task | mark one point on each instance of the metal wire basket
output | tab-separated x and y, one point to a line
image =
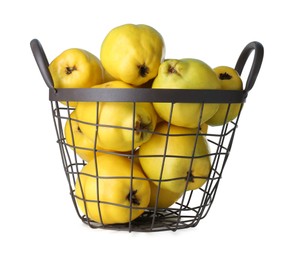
191	205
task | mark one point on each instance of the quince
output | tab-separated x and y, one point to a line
186	74
76	68
230	80
112	190
132	53
169	157
117	126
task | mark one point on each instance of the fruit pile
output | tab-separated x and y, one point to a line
105	135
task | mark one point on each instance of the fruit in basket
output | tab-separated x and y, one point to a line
116	191
76	68
75	137
132	53
165	197
230	80
118	124
173	149
186	74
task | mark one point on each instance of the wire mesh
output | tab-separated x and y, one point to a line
186	211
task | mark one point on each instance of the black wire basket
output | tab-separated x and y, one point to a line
97	203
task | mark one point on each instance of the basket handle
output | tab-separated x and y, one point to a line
256	64
42	62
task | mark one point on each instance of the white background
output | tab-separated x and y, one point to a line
251	217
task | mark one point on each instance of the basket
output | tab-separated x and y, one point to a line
190	205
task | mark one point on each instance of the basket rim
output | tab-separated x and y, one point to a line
147	95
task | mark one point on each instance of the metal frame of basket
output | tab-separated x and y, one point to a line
193	205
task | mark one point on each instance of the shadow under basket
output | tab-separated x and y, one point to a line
191	205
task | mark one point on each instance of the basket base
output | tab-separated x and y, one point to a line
150	221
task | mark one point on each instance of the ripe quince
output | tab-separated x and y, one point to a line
186	74
132	53
117	126
230	80
112	190
170	158
76	68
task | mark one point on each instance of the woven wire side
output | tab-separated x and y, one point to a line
186	212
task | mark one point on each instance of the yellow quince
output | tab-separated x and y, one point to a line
132	53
